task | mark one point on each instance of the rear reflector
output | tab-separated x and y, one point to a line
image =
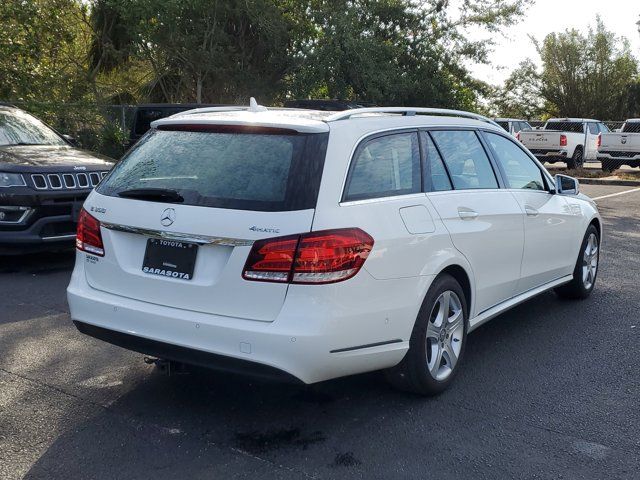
88	236
326	256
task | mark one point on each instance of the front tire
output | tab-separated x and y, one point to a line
437	342
586	269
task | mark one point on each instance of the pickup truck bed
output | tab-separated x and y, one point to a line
620	148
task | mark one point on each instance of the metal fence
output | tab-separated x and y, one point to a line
101	128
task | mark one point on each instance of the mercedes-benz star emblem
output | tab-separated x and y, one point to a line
168	217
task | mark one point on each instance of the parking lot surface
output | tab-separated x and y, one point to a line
549	390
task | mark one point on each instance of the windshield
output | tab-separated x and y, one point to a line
225	168
20	128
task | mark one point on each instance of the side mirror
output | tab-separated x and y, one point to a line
566	185
71	140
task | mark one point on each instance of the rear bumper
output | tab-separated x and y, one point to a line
628	158
167	351
312	341
550	155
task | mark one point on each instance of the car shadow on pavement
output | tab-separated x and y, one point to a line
130	421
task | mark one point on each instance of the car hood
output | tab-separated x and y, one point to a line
30	157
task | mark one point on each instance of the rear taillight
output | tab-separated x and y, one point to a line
318	257
88	236
563	140
599	141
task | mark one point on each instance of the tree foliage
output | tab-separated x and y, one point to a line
587	75
384	51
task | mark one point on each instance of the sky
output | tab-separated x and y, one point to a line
546	16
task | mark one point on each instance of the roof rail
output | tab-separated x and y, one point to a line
408	111
253	107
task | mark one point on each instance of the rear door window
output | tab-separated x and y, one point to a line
593	128
468	164
226	168
385	166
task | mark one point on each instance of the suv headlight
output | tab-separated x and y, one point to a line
11	180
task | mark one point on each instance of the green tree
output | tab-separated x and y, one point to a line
41	50
520	96
397	51
587	75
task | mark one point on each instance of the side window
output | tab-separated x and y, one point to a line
603	128
384	167
520	170
526	126
465	158
436	177
593	128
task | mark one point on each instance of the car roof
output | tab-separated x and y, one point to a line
510	120
577	120
317	121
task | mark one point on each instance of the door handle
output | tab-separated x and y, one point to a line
466	213
530	211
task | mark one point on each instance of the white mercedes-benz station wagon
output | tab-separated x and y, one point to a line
312	245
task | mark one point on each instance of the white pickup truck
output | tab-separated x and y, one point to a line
620	148
569	140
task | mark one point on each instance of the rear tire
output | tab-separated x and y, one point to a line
437	342
577	160
609	166
586	269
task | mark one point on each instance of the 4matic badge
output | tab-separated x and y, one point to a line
264	229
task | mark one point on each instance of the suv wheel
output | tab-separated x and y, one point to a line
577	160
586	269
437	343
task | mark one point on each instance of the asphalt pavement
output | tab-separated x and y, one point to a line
550	390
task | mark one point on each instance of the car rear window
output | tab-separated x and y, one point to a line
574	127
265	170
631	127
504	125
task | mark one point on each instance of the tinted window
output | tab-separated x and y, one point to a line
603	128
226	169
525	126
520	170
575	127
504	125
466	160
437	178
385	166
593	128
631	127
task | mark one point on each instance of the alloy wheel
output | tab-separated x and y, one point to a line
445	332
590	262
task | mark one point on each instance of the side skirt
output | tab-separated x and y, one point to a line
487	315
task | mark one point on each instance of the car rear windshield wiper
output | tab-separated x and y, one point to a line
153	194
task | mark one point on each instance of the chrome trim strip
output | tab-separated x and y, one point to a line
59	237
27	213
185	237
365	201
